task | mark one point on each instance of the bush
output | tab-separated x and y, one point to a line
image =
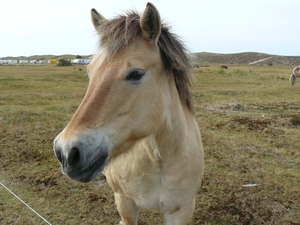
64	62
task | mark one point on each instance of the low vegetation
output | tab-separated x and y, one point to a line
249	117
64	62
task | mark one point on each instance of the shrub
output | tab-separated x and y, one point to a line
64	62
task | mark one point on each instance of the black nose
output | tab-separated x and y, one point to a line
82	159
73	158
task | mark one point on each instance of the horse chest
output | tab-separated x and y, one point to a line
152	191
151	184
145	191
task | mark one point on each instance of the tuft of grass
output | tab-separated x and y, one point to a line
248	116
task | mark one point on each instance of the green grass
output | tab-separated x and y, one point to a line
256	143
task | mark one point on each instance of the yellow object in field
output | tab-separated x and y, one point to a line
52	61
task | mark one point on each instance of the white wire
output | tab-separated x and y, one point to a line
25	203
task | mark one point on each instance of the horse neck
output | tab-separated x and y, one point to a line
172	136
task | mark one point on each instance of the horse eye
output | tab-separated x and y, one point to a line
135	75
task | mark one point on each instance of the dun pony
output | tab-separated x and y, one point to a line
136	122
294	75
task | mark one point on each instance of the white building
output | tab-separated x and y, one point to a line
80	61
12	61
33	61
23	61
42	62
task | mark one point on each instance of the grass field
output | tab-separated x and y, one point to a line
249	117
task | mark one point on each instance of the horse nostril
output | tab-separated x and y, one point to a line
73	157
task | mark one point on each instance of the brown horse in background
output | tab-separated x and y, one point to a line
136	122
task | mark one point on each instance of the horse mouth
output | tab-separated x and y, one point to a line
88	173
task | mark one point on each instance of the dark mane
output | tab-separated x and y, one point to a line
121	31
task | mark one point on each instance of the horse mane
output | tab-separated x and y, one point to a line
119	32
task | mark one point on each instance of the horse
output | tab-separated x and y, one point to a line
136	122
294	75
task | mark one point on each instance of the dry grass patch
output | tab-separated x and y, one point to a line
250	122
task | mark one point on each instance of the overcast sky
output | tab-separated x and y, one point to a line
37	27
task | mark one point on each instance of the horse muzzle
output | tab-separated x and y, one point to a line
83	157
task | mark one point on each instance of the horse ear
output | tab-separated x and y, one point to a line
150	23
97	18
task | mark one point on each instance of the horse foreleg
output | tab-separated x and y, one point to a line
182	216
292	79
127	208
